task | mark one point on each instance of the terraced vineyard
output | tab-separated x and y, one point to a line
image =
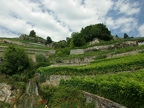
102	66
119	79
125	88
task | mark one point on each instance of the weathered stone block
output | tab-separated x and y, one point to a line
77	51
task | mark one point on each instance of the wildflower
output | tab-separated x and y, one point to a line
43	101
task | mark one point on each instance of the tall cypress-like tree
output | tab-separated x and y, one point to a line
125	35
49	40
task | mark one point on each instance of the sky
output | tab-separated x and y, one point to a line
59	18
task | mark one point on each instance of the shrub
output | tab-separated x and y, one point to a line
15	61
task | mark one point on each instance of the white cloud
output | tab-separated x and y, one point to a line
56	18
125	24
5	33
141	30
75	15
124	17
127	7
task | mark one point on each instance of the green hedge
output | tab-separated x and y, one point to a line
103	66
125	88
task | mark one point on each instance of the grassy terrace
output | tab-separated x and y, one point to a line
27	44
102	54
99	54
102	66
41	46
32	48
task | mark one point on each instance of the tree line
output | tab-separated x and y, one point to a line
86	35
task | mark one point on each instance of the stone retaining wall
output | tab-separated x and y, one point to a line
55	79
6	94
75	61
101	102
77	51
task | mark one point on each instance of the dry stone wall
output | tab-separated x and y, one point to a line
77	51
12	42
101	102
32	57
55	79
6	94
1	40
75	62
124	54
140	43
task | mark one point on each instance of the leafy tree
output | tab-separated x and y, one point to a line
126	36
88	34
42	61
96	31
68	40
78	39
15	61
32	33
49	40
61	44
63	51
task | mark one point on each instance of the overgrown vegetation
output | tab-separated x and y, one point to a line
42	61
15	61
17	67
64	97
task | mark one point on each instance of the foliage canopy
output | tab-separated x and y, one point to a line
32	33
15	61
90	32
49	40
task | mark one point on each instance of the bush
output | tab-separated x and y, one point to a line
40	58
47	91
20	85
15	61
